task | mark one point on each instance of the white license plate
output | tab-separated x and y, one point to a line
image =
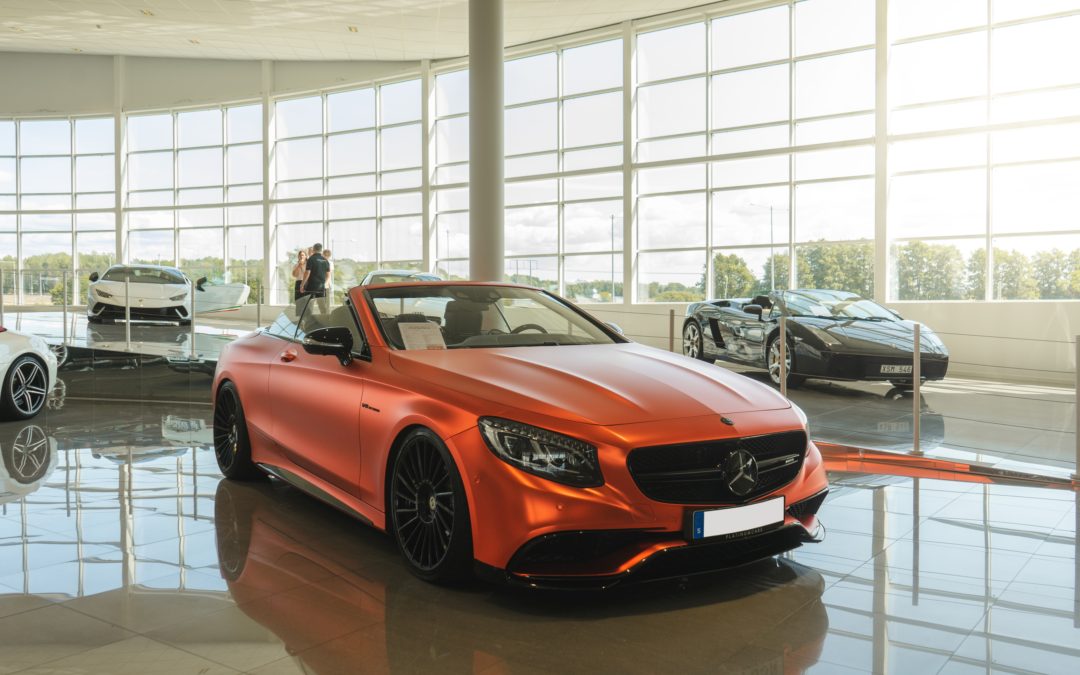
737	520
900	370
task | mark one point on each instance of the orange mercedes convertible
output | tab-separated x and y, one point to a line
500	430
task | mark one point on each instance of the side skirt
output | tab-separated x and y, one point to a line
315	491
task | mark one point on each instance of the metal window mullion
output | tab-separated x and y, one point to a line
226	253
629	93
325	180
988	273
707	286
378	179
72	267
560	164
18	217
428	228
792	267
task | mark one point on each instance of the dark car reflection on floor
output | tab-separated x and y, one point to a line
306	572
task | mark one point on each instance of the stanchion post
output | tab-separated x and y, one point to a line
258	305
671	330
127	313
783	356
1	296
916	396
1076	412
192	317
64	283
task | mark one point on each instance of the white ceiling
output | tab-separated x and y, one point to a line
292	29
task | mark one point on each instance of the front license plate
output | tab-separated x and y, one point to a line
896	370
737	521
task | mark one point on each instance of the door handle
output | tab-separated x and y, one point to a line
287	355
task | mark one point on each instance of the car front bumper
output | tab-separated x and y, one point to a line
141	312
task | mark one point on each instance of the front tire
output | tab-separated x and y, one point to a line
26	388
232	446
693	344
429	513
772	363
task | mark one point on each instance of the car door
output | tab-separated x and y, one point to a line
316	401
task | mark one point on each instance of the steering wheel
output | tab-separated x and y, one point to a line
528	326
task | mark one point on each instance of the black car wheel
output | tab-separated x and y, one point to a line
772	362
232	447
693	343
26	388
428	510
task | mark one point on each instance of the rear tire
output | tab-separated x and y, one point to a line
693	344
428	511
232	446
772	363
25	388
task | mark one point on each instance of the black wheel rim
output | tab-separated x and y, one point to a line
29	387
423	502
226	428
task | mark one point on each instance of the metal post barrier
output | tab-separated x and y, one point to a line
671	331
1076	411
127	314
64	283
1	296
192	318
258	306
783	356
916	386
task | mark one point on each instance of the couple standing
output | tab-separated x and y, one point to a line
313	275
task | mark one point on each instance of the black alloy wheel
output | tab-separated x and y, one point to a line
429	511
26	388
231	444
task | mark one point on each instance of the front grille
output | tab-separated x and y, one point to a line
692	473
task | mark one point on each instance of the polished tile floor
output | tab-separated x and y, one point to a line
122	550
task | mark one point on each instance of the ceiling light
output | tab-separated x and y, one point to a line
146	12
193	41
76	50
352	29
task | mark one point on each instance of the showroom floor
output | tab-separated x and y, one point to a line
122	548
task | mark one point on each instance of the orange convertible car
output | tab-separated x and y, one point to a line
500	429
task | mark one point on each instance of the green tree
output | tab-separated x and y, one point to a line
844	267
1014	276
930	271
1052	271
731	276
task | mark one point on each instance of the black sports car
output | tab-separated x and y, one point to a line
832	335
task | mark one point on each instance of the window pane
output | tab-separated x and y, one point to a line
1033	55
1005	10
938	153
839	129
7	137
149	132
245	256
750	139
532	192
532	229
836	211
244	123
200	217
750	97
351	153
401	147
592	67
673	108
452	200
541	272
924	17
452	93
199	167
452	235
1037	197
671	221
202	127
593	278
825	25
672	148
592	186
153	247
402	238
44	137
946	203
91	135
399	102
398	205
351	209
939	270
754	216
298	117
671	178
156	198
452	140
834	84
202	253
592	158
94	174
745	272
531	129
857	161
299	159
733	172
245	164
671	277
847	266
750	37
1058	141
530	79
352	240
593	226
45	174
48	222
527	166
592	120
671	52
1030	268
351	110
934	70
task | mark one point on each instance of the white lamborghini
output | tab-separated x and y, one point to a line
158	293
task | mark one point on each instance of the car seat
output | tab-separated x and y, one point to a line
463	319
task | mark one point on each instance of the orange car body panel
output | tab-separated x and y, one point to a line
334	425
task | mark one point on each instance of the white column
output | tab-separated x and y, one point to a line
427	115
119	159
881	147
486	140
267	85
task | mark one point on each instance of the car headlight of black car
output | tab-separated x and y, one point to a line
542	453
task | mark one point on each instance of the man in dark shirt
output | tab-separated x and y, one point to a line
315	276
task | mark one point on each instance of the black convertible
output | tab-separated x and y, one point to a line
832	335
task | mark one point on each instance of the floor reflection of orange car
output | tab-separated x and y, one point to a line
500	429
337	606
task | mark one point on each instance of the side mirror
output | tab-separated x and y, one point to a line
94	277
753	309
615	327
199	283
330	341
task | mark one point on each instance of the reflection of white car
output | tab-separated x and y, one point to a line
27	457
396	277
158	293
28	371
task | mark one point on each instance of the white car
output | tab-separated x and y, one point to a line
27	457
158	293
28	368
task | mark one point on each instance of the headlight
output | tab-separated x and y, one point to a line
102	294
542	453
178	298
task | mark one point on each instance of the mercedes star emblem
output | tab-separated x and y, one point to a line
728	421
741	473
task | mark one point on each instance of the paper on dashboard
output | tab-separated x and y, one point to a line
424	335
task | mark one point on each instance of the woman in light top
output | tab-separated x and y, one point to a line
298	274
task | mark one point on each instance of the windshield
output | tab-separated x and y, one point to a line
454	317
834	305
144	275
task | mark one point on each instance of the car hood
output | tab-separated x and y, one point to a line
592	384
877	335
